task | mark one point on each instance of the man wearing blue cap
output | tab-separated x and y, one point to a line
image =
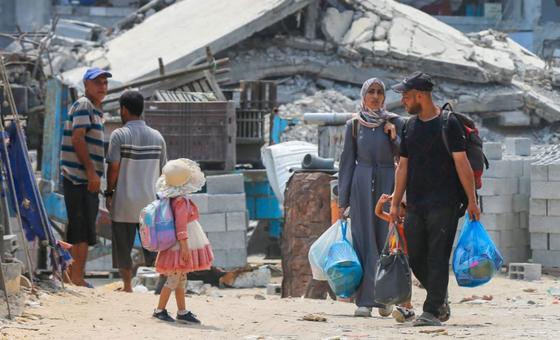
439	186
81	164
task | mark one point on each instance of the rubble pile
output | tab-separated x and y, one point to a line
321	101
309	46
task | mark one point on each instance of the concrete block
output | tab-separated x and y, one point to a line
496	204
230	258
236	258
12	273
213	222
227	240
554	242
539	241
220	258
539	173
274	289
520	237
236	221
505	168
500	221
548	258
545	190
544	224
525	271
515	254
524	220
148	277
537	207
225	184
554	172
527	163
201	201
553	207
514	119
499	186
518	146
495	236
226	203
525	185
521	203
510	238
493	150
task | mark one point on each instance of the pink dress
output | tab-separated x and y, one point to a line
186	216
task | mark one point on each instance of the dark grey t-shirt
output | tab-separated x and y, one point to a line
141	152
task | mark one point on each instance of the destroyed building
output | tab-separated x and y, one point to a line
318	53
338	46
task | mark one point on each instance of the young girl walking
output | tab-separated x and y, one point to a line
192	251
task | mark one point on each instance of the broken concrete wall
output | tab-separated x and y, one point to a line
180	33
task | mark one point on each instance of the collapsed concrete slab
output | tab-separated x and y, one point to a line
335	24
507	99
180	33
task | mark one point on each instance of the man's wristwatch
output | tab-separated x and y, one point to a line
108	193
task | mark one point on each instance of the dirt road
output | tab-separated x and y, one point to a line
518	310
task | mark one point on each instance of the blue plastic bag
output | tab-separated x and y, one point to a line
476	259
343	268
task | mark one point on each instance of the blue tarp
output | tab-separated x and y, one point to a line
34	218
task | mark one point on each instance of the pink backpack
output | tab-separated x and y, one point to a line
157	226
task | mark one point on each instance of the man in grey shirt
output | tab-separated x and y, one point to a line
136	156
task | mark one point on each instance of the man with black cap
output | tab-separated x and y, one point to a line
81	164
437	186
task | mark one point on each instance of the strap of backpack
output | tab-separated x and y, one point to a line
445	114
355	129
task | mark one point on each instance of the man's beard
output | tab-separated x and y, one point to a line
415	109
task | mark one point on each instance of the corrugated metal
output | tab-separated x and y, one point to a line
278	159
182	97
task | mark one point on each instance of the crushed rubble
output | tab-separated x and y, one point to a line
321	101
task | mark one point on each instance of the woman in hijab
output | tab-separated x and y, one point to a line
367	170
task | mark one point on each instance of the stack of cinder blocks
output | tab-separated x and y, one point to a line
223	216
545	212
505	197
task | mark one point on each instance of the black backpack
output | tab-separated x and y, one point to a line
474	143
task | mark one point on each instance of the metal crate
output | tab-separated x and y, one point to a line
201	131
257	99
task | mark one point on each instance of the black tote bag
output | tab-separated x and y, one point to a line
393	280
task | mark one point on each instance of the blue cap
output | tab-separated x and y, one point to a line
95	72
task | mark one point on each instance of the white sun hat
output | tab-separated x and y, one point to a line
180	177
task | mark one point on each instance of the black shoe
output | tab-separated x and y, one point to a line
188	318
163	316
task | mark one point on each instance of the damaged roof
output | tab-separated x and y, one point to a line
180	33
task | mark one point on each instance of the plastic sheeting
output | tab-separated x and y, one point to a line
278	159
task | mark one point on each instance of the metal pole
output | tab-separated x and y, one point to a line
7	86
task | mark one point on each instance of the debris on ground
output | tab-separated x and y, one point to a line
314	317
439	331
477	298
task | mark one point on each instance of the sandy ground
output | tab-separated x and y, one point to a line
518	310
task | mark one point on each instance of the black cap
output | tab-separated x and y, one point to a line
416	81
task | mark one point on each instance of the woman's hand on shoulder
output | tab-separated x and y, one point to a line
391	130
